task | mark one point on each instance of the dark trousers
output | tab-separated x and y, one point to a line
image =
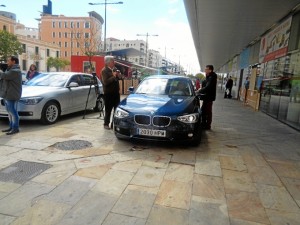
229	93
206	113
111	101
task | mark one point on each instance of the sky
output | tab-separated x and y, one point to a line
165	18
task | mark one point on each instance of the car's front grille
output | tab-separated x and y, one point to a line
159	121
142	119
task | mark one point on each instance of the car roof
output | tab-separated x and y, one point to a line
169	76
67	73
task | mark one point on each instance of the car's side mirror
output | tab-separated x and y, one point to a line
131	90
73	84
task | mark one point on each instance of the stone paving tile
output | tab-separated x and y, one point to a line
7	150
234	221
157	160
136	201
237	181
287	169
92	209
43	212
94	172
207	155
6	161
54	157
277	198
293	187
161	215
53	178
206	211
179	172
6	220
233	163
34	145
246	206
208	167
264	175
184	157
117	219
129	166
15	203
128	155
94	151
6	187
94	161
114	182
174	194
29	155
253	158
208	187
280	218
148	177
71	190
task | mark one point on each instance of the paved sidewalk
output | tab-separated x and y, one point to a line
245	172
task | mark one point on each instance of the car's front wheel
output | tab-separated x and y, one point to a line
50	113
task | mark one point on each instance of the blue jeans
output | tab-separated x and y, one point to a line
13	116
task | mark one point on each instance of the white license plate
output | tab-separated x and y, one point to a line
153	133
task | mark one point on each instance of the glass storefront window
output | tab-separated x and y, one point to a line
280	91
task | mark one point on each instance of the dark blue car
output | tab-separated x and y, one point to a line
163	108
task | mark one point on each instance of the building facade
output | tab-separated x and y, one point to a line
74	35
272	64
35	51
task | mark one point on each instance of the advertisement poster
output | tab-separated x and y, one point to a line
275	44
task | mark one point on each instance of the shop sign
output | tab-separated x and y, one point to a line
275	43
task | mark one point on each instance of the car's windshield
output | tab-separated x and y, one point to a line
45	79
164	86
152	86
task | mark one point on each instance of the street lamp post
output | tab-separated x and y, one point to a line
105	3
147	35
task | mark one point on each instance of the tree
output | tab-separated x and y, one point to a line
9	45
57	63
89	43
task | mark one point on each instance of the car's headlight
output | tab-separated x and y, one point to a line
120	113
190	118
31	100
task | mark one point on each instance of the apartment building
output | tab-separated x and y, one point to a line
74	35
35	51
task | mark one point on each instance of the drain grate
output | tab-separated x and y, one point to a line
22	171
73	145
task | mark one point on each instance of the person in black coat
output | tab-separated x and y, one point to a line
228	88
209	90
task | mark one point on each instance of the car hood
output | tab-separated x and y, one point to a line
29	91
159	104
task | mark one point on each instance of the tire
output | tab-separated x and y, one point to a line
50	113
99	104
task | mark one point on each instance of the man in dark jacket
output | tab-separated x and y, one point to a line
11	91
210	95
111	88
228	88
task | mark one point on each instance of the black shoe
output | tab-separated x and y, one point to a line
14	131
7	130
